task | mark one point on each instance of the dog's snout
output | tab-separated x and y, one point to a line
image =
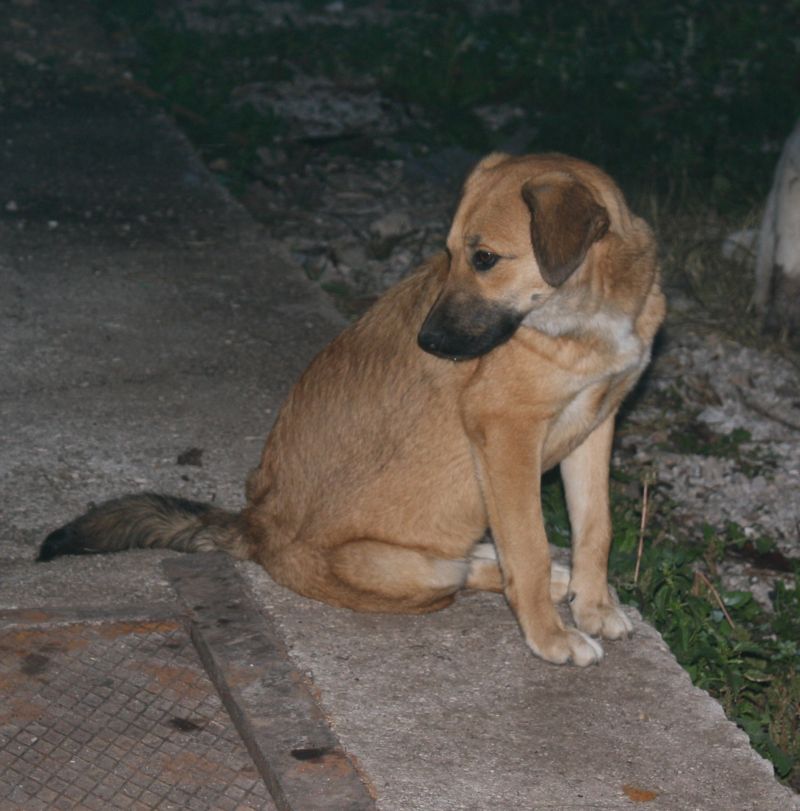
465	329
432	341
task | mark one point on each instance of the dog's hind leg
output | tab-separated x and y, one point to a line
485	575
386	577
484	572
368	575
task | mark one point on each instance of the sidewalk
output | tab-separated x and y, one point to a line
149	333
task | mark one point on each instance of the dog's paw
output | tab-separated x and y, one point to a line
569	645
606	619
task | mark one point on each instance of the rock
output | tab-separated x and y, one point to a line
317	108
348	252
498	116
270	156
391	225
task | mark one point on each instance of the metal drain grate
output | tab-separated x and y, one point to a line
116	715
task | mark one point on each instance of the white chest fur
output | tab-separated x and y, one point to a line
610	330
611	358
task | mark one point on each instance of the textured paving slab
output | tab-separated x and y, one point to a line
116	715
135	707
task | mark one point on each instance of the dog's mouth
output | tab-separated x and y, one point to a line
433	346
464	329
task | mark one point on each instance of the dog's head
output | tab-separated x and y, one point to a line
524	226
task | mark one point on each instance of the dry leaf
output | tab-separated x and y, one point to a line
639	795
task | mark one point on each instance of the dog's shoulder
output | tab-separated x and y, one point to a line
407	302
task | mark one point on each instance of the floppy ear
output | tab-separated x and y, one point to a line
565	222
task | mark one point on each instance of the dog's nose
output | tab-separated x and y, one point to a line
446	333
443	345
436	344
430	341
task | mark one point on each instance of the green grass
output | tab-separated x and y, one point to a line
686	103
747	658
688	435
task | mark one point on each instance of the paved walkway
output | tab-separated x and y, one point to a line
149	332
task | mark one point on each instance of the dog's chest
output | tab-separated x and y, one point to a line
592	402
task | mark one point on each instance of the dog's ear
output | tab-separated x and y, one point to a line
565	221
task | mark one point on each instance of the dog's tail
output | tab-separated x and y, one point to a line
149	521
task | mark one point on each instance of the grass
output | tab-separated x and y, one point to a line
725	641
745	657
686	103
689	435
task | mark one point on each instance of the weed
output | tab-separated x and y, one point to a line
748	659
691	436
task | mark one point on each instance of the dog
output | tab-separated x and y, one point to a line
434	416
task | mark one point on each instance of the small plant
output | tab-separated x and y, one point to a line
691	436
746	658
725	641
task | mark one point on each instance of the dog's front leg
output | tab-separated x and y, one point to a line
585	474
509	457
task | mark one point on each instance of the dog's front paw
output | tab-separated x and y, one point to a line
569	645
601	618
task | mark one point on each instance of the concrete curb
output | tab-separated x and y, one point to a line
273	709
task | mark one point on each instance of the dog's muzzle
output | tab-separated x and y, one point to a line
461	328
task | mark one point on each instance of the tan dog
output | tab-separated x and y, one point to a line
387	463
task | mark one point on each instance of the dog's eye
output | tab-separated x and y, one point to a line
484	260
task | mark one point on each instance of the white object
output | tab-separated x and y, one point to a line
777	290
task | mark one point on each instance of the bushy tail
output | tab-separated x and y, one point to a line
148	521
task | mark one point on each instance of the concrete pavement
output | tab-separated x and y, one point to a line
143	315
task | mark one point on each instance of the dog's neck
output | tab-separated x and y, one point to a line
565	315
